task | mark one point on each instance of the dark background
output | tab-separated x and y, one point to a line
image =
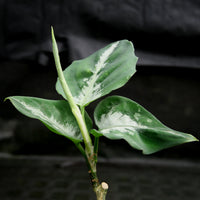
166	37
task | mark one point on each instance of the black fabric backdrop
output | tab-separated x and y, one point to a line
166	36
164	32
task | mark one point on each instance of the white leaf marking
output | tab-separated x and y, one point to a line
92	90
137	116
69	129
149	120
110	119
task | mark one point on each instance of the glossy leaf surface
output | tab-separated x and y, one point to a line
55	114
100	73
121	118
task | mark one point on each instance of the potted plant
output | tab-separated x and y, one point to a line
116	117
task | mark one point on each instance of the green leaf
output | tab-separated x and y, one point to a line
55	114
100	73
121	118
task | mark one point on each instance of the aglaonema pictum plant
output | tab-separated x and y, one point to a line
116	117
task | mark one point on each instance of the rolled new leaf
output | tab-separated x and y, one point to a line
121	118
55	114
100	73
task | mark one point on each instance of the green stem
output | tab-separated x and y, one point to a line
99	189
88	153
75	109
83	111
81	149
96	147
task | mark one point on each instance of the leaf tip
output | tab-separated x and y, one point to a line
52	29
7	98
52	33
193	139
190	138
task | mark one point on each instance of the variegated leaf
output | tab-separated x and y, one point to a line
121	118
99	74
55	114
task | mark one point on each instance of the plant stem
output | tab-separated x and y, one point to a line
96	147
89	154
81	149
99	189
102	191
75	109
